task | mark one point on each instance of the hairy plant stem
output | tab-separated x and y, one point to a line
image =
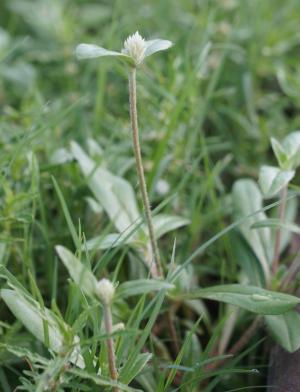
155	264
110	343
282	206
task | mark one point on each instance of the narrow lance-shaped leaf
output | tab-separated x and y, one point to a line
98	380
22	352
32	316
115	194
162	225
165	223
138	365
141	286
156	45
247	199
277	223
78	271
89	51
137	346
111	240
252	298
279	153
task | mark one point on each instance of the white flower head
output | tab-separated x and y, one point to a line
135	50
135	46
105	291
162	187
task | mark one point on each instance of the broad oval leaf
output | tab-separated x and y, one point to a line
272	180
252	298
285	329
78	271
34	318
142	286
156	45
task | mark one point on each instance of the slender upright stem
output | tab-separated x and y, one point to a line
282	206
155	266
110	343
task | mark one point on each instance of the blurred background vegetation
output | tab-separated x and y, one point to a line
208	108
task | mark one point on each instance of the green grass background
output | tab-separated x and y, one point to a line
207	109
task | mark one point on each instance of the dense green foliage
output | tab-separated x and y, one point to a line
208	108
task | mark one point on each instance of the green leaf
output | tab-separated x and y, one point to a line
141	286
277	223
290	216
67	214
118	199
152	312
279	152
180	355
285	329
162	225
288	152
247	199
291	146
78	271
156	45
61	156
108	241
247	260
90	51
29	312
22	352
165	223
95	207
252	298
137	366
98	380
272	180
115	194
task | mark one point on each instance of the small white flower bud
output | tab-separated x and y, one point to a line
105	291
118	327
162	187
135	47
